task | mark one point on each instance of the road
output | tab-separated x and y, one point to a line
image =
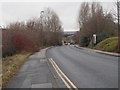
86	69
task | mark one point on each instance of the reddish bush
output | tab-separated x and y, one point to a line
22	42
7	48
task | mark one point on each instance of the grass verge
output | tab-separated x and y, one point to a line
109	44
11	64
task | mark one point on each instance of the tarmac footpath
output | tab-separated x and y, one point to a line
35	73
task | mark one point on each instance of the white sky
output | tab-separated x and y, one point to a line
67	11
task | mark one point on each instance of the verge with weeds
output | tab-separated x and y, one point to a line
11	64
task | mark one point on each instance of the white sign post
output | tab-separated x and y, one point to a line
94	39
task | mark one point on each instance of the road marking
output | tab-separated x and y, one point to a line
61	74
64	75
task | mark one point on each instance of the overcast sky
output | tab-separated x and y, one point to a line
21	11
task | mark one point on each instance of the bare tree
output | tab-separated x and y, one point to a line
52	26
84	13
93	20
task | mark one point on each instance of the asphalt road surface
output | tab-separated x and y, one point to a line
86	69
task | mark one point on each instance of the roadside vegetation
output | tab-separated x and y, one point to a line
21	39
11	64
93	19
109	44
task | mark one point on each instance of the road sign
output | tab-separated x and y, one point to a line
94	39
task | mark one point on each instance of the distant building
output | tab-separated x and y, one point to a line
68	37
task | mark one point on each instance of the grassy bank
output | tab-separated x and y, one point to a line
11	64
109	44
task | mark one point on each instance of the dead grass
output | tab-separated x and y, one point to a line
10	65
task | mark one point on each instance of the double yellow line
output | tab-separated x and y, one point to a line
64	78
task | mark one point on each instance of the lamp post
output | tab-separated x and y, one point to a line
41	18
42	26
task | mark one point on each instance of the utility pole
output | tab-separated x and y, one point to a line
118	15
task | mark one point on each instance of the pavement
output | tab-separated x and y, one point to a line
86	68
34	73
99	51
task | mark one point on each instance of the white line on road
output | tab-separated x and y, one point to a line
59	74
62	74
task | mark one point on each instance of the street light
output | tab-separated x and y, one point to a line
41	14
42	25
